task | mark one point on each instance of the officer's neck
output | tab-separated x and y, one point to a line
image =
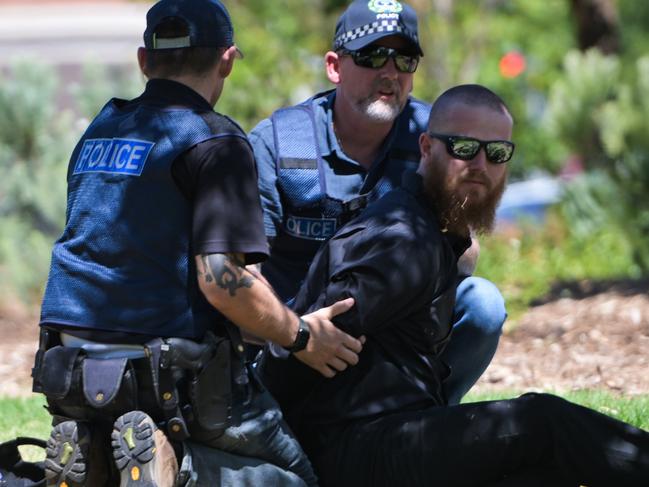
359	138
209	87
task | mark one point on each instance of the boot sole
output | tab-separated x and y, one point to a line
66	462
134	449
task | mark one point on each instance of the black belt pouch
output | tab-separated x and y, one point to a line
56	372
71	382
110	385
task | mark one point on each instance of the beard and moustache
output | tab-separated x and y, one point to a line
378	110
460	214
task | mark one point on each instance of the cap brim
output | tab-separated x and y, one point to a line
365	41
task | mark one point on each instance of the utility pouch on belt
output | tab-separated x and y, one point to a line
55	374
45	342
70	379
191	382
102	380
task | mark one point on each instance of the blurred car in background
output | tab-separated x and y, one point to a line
528	200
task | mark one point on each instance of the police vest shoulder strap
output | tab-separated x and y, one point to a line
296	140
223	126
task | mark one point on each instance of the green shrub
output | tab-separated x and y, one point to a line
601	114
525	263
36	139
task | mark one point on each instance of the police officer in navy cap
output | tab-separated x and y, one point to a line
320	162
148	287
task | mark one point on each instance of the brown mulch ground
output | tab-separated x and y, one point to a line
583	335
18	343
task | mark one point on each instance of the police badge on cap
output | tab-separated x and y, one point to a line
365	22
385	6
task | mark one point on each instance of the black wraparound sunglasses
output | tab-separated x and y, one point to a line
376	57
466	148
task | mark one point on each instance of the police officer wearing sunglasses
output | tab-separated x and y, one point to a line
320	163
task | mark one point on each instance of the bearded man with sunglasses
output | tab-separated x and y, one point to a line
320	162
384	422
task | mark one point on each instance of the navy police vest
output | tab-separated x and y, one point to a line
311	213
124	261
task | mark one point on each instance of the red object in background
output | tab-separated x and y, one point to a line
512	64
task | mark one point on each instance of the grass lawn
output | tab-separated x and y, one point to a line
634	410
27	417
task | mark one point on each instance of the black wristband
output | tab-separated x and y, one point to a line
302	338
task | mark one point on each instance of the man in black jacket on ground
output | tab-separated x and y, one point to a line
385	421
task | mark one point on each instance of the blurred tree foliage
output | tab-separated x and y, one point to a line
36	138
603	118
283	42
34	141
564	103
526	262
597	25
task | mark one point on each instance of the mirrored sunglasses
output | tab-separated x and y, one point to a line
466	148
376	57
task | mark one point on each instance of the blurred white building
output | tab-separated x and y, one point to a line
69	34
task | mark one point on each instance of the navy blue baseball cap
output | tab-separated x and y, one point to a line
367	21
208	23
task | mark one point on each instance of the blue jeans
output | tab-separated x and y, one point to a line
478	320
203	466
259	451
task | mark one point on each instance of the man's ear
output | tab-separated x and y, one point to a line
141	60
425	145
227	61
332	66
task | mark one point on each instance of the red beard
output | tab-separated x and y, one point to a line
461	213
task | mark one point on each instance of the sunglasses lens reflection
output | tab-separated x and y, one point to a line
499	152
377	58
465	148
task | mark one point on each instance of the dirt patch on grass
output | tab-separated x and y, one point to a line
18	344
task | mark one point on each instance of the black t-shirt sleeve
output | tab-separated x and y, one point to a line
219	177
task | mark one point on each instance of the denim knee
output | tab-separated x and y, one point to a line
480	305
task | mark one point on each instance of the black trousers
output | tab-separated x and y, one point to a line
535	440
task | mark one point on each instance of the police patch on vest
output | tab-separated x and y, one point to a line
310	228
116	156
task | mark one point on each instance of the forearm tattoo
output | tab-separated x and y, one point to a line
227	271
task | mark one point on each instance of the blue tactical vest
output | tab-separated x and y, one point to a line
124	261
311	213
